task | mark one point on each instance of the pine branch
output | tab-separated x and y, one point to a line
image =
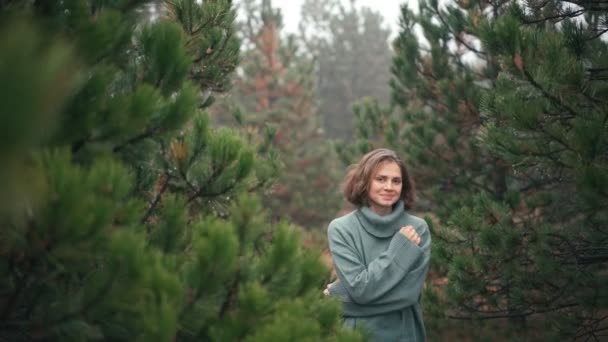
424	73
553	98
512	315
190	304
539	6
184	177
156	200
598	74
560	17
135	139
219	51
583	256
201	190
536	186
457	36
101	295
587	256
594	329
231	295
597	35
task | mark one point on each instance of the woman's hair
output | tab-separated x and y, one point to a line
357	181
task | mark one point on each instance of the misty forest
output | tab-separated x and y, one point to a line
169	168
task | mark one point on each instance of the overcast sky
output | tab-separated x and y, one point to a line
388	8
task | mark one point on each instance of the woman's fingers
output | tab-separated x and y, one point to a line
410	233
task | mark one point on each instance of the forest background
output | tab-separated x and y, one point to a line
169	168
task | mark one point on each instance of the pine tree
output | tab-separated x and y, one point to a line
352	52
500	115
125	216
275	94
547	118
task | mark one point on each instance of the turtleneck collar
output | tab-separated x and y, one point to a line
381	226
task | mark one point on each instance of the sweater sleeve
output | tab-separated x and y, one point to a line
397	275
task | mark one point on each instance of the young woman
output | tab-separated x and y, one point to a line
380	252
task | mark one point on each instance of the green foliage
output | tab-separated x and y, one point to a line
31	65
211	42
165	64
22	47
273	103
125	216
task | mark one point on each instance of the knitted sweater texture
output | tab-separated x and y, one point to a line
380	271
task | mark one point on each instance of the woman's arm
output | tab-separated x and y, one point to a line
396	275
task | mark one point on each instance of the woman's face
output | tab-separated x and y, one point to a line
385	187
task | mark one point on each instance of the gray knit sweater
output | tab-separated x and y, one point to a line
380	271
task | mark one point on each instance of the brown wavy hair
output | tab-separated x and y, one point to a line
357	181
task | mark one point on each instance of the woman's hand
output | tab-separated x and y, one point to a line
410	233
326	291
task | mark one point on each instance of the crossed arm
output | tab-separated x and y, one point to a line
397	275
